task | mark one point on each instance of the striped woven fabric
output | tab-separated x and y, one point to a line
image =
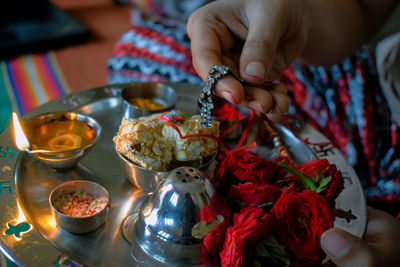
28	81
25	83
157	51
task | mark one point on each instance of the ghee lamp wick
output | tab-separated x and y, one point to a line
20	139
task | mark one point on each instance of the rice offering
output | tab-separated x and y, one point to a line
154	142
79	204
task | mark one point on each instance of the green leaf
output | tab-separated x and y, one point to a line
261	251
324	182
281	258
269	241
319	177
308	183
325	260
266	205
256	263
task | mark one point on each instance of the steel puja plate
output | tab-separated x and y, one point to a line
29	235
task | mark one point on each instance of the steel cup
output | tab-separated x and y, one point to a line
148	180
140	177
158	92
79	225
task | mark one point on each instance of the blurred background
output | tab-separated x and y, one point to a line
51	48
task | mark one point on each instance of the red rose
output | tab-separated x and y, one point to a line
302	217
252	194
214	240
248	226
250	166
217	206
335	185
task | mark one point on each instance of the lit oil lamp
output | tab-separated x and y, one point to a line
20	139
58	139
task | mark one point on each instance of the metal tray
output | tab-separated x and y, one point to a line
28	233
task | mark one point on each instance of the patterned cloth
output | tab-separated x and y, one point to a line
25	83
344	102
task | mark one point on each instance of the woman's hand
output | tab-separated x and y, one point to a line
380	246
259	38
256	38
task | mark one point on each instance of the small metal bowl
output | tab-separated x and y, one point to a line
79	225
158	92
140	177
171	224
66	158
148	180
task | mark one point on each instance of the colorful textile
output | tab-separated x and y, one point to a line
155	51
25	83
28	81
344	102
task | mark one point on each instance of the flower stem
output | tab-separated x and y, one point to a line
307	182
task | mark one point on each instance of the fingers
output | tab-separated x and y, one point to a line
205	44
259	99
279	94
379	247
347	250
210	29
270	99
261	44
209	37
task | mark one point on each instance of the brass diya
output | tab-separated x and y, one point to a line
59	140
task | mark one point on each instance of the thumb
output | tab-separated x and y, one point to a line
260	47
347	250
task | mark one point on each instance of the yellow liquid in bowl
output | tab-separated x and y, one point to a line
62	135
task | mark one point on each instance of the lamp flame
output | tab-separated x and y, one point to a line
20	139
